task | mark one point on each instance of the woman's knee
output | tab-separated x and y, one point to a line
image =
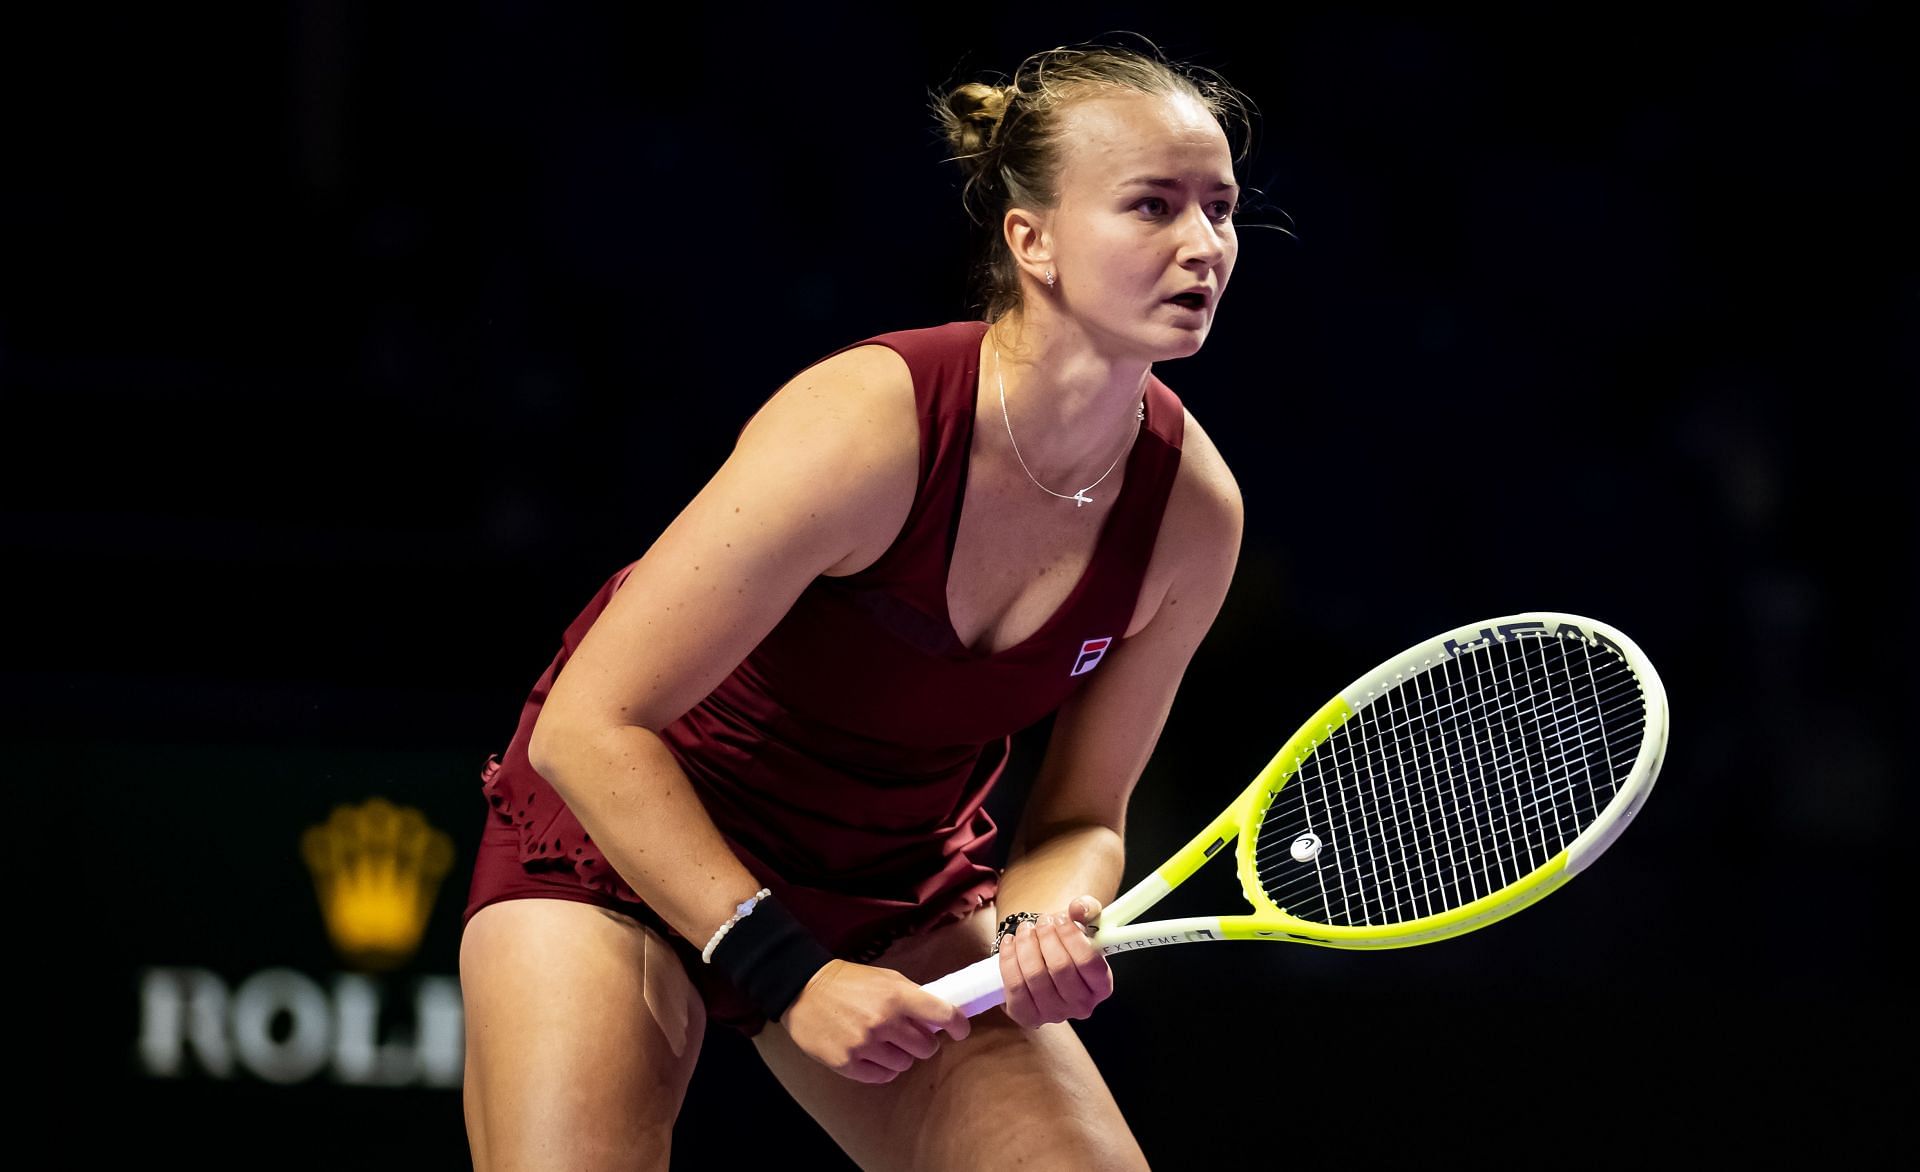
582	1034
1039	1091
1003	1097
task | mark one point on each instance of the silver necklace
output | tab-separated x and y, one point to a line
1081	497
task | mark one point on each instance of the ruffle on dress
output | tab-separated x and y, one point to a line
551	838
858	928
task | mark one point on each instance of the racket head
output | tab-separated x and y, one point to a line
1452	785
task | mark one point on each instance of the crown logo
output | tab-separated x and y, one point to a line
377	868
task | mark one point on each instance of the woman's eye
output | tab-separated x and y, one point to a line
1224	208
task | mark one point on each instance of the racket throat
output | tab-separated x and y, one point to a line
1127	908
1194	930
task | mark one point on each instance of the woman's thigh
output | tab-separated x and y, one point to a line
566	1065
1003	1097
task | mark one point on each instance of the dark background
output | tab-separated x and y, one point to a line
347	349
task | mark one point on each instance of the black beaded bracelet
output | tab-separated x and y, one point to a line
1010	925
770	956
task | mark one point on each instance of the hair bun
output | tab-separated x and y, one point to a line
977	110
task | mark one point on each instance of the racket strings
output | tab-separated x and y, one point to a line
1344	757
1363	740
1459	781
1493	743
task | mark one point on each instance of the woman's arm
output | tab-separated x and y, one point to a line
816	474
824	472
1067	856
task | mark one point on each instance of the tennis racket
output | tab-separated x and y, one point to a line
1451	786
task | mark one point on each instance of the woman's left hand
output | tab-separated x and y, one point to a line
1051	971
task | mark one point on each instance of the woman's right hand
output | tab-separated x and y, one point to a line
869	1023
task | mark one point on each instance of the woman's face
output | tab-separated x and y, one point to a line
1145	213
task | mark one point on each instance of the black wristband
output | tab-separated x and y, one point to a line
770	956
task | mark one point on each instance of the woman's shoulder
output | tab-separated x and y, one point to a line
885	381
857	408
889	364
873	385
1204	513
927	359
1197	546
865	386
1204	482
943	335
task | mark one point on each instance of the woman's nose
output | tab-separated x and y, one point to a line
1201	237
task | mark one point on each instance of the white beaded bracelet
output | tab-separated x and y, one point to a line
739	913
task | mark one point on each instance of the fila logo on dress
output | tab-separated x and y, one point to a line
1090	653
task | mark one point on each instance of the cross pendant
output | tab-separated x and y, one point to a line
1082	498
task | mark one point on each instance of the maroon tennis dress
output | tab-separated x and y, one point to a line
843	759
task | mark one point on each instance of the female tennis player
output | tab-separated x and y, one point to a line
749	788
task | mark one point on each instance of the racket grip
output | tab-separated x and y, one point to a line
974	989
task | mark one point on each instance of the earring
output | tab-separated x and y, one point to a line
1049	278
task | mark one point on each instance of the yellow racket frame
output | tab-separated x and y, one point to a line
977	987
1269	921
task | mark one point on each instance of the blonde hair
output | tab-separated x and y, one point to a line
1011	141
